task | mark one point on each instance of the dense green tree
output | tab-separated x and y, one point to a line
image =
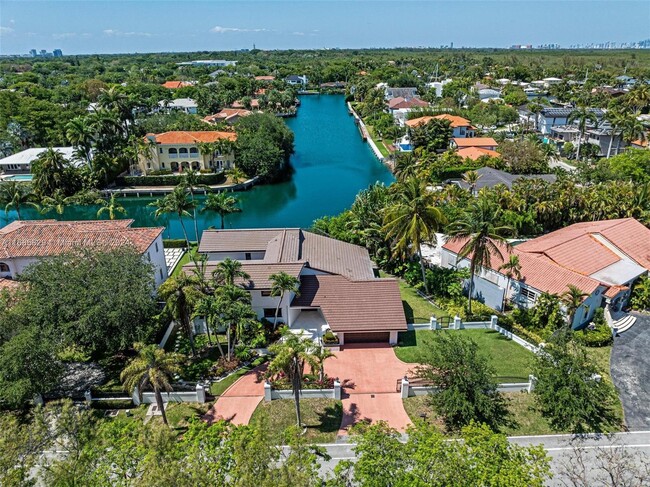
15	195
221	203
180	293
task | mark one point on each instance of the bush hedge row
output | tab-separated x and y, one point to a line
168	180
174	243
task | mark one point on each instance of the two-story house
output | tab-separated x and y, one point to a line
461	127
553	117
177	151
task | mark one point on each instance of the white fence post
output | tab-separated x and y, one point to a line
88	396
405	388
531	382
200	393
135	395
433	323
267	392
458	323
337	389
493	322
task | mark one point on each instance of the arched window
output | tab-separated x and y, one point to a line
182	152
173	153
4	267
194	152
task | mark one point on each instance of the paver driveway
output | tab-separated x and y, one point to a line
239	401
630	366
369	374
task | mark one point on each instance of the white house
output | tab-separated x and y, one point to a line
295	79
24	242
21	162
187	105
553	117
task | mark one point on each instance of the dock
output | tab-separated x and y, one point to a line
152	191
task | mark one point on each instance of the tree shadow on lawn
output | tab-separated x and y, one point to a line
408	312
329	420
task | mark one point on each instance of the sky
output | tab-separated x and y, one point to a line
94	26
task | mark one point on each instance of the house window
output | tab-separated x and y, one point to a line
266	294
270	313
163	165
194	152
4	267
182	152
156	247
529	294
160	271
247	256
173	153
161	151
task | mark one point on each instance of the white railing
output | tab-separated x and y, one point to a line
271	394
407	390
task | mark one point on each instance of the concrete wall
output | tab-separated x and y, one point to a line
198	395
271	394
241	256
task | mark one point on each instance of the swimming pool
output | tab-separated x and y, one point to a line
19	177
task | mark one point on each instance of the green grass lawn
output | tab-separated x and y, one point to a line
218	388
416	308
512	363
322	418
185	259
601	357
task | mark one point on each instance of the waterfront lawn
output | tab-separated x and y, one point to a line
511	362
527	420
379	142
416	308
321	417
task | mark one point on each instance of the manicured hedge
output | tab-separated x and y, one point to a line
116	404
454	172
174	243
168	180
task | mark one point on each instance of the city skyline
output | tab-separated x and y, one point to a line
145	26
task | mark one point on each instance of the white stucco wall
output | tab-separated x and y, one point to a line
156	254
241	256
259	302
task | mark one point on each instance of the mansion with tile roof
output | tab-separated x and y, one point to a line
181	150
602	258
338	287
25	242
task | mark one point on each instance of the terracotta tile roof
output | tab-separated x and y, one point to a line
227	114
475	153
416	122
264	78
291	245
583	254
259	273
182	137
172	85
354	306
255	103
614	290
41	238
400	102
475	142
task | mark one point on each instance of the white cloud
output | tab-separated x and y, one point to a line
119	33
5	30
224	30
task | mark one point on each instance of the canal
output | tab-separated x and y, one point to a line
332	164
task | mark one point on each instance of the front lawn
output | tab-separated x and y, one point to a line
512	363
416	308
218	388
322	418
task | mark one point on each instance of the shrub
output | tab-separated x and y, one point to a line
168	180
160	172
243	353
174	243
597	334
115	404
330	338
458	307
197	369
223	366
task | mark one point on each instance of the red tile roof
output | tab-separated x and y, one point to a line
400	102
475	142
354	306
42	238
172	85
264	78
227	114
182	137
474	153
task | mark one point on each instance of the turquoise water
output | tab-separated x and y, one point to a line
20	177
332	164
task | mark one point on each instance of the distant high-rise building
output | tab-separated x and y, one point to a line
32	52
57	53
43	53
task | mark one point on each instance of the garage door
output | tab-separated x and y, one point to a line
367	337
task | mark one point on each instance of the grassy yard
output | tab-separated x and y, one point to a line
601	357
416	308
527	421
511	362
185	259
322	418
218	388
178	413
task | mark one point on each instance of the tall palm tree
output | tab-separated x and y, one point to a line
80	135
535	108
221	203
48	171
479	230
512	269
639	97
208	308
15	195
190	180
583	116
290	356
111	206
175	202
57	202
632	129
236	311
281	283
572	299
471	178
615	119
227	271
180	294
153	367
412	219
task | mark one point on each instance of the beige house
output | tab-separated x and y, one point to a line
178	151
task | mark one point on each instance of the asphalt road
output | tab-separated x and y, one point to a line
561	449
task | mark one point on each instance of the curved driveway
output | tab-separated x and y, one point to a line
630	367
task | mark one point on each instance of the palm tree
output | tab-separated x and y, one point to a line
221	203
639	97
615	119
412	219
15	195
227	271
471	178
479	231
57	202
583	116
80	135
236	311
632	129
208	308
191	182
535	108
175	202
153	367
111	206
572	299
282	282
180	293
512	270
236	175
48	172
320	355
290	356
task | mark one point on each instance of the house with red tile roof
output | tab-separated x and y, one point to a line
174	85
603	259
461	126
181	150
228	115
338	288
23	243
482	142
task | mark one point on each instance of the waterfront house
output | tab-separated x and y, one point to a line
187	105
400	107
176	151
21	162
338	287
461	126
602	258
296	80
482	142
408	93
490	177
25	242
228	115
